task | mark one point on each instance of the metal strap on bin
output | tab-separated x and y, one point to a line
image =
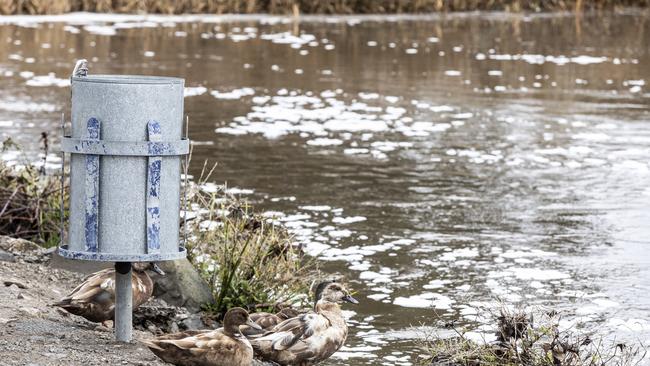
125	148
92	189
92	146
153	190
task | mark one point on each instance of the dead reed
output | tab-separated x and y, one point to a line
296	7
527	339
30	201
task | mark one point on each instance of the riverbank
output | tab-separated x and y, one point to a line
34	333
297	7
239	253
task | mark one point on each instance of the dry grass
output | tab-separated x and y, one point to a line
303	6
247	260
30	202
526	340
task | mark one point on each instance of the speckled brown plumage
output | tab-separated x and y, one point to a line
222	347
268	321
94	298
309	338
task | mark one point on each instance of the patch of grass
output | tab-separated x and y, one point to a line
522	342
30	202
247	259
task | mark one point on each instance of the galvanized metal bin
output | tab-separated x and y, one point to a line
126	146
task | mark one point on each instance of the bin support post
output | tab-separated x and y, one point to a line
123	302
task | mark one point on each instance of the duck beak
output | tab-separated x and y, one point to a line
350	299
157	269
253	325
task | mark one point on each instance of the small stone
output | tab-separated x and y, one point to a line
101	328
29	311
14	283
173	328
20	296
6	256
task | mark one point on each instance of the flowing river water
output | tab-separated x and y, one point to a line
437	162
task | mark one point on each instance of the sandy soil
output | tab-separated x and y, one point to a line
36	334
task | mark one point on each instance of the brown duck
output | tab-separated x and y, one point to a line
94	298
222	347
267	321
309	338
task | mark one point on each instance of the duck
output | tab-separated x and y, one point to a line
308	338
268	320
225	346
94	298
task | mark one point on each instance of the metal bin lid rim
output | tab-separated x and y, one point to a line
128	79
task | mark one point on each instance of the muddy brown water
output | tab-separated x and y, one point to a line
438	163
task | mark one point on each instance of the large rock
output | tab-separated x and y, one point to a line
22	249
182	285
13	245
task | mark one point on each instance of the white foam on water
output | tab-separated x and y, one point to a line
71	29
315	248
342	355
378	297
288	38
367	96
375	277
233	94
26	106
441	108
316	208
324	142
459	253
356	151
48	80
101	30
348	220
513	254
537	59
426	300
235	191
192	91
435	284
340	233
537	274
386	146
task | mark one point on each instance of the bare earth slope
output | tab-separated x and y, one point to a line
33	333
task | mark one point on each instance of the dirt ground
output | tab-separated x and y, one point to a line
32	333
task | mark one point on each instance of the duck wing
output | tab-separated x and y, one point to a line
96	284
264	320
201	348
286	334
